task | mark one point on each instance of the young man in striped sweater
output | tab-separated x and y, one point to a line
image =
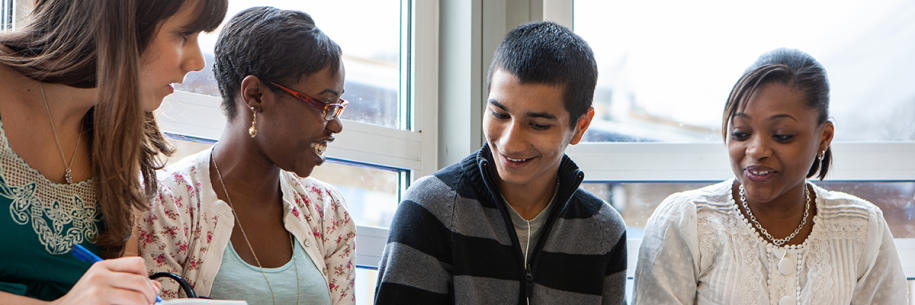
508	224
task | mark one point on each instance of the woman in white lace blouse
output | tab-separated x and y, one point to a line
768	236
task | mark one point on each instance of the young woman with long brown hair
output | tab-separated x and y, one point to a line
79	86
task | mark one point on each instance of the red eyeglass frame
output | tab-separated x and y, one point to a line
338	107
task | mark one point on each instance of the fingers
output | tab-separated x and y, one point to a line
132	264
119	281
132	282
120	296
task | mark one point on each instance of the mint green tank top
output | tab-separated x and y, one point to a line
238	280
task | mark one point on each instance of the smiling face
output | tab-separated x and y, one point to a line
527	128
773	140
293	134
171	54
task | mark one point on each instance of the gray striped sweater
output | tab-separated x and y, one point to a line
452	242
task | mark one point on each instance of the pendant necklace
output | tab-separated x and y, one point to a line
294	263
68	175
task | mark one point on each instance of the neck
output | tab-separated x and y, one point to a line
68	105
787	205
238	160
28	127
529	199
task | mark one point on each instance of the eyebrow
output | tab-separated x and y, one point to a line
331	91
773	117
544	115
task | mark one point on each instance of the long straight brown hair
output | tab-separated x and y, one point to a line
97	44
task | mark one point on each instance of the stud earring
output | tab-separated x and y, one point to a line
253	131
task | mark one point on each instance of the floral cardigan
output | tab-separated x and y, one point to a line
188	228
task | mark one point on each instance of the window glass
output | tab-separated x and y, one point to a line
637	201
667	66
371	193
368	32
911	291
366	280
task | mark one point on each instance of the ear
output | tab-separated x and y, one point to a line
254	93
583	123
828	131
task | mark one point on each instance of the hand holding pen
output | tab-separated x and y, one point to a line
114	281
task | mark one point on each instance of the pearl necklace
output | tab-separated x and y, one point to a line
777	242
294	263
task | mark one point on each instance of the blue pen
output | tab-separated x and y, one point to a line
87	256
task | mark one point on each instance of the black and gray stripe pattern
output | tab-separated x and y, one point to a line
452	241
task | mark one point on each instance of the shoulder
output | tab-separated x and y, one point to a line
182	172
842	215
838	204
438	189
172	210
177	181
715	196
428	190
428	197
681	209
597	209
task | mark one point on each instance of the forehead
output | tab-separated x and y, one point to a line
776	99
321	80
507	90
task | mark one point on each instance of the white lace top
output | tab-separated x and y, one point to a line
698	249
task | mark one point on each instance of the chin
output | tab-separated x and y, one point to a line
304	173
150	104
760	193
512	178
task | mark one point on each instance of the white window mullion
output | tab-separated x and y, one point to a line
852	161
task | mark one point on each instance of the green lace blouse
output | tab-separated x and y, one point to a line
40	220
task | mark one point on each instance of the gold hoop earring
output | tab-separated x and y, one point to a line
253	130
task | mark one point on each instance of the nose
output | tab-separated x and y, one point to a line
758	147
193	60
513	139
334	126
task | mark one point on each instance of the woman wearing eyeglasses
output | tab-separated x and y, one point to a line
242	220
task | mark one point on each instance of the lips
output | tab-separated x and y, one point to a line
514	162
759	173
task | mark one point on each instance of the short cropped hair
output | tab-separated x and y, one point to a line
551	54
792	68
272	44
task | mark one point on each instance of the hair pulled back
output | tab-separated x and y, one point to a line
792	68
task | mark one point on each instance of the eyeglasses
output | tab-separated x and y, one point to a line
331	111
